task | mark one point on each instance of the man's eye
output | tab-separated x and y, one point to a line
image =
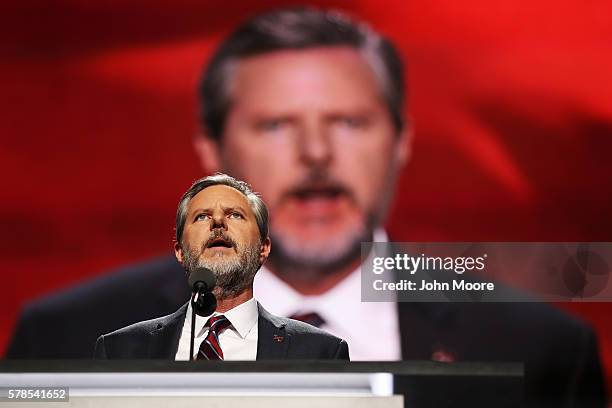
353	122
200	217
236	215
271	125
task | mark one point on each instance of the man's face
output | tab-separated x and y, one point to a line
310	131
221	234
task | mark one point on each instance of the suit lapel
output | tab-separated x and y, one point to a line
425	328
272	340
165	337
431	319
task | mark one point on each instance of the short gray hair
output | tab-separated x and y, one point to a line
257	205
298	28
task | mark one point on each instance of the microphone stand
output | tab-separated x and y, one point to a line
203	303
193	322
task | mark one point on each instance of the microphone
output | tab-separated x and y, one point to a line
202	278
202	282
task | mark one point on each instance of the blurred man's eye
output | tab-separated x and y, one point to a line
236	215
349	122
272	125
354	122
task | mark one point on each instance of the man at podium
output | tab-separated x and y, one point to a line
222	225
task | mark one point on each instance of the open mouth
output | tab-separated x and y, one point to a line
324	192
219	242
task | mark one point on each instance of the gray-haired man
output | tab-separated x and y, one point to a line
222	225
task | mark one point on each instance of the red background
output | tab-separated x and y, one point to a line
511	104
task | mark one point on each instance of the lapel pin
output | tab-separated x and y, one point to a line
443	356
278	339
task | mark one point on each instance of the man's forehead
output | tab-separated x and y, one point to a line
298	65
335	52
327	79
223	195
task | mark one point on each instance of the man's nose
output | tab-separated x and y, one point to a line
315	148
218	221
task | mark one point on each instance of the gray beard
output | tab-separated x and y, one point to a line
233	276
318	257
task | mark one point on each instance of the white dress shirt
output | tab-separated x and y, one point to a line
371	329
238	341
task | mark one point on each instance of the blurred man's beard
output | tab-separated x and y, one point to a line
306	259
234	274
293	255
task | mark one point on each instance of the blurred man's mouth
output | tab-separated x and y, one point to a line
326	192
319	201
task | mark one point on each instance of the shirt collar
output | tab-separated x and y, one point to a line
242	317
267	285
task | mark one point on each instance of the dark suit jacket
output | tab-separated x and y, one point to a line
278	338
560	352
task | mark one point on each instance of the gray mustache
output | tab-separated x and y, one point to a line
218	234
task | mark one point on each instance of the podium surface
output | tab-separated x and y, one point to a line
269	384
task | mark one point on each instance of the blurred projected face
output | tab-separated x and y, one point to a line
309	130
221	234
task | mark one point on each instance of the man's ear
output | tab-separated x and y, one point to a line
208	152
266	246
178	253
403	147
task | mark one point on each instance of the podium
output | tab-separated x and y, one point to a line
261	384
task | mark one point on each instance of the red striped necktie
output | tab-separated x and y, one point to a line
210	349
